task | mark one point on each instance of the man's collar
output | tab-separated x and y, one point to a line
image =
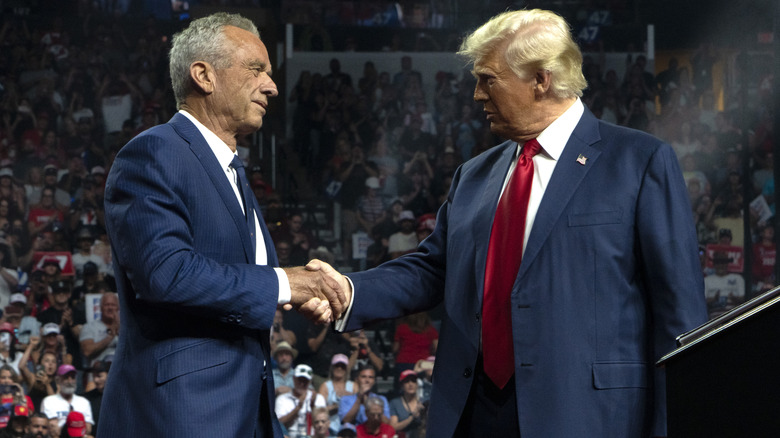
221	150
555	136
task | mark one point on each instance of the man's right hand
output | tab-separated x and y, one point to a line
363	393
66	319
315	310
310	289
335	276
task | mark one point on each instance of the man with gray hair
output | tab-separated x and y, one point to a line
374	426
197	274
566	257
59	405
98	338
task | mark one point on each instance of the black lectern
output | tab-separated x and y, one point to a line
724	379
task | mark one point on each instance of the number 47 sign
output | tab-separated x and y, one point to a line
588	34
590	31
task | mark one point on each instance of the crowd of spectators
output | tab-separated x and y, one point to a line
71	94
383	147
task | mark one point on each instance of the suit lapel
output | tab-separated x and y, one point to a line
482	224
216	174
568	174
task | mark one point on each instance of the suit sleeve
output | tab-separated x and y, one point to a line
152	192
409	284
670	263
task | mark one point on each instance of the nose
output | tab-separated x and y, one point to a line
479	94
269	89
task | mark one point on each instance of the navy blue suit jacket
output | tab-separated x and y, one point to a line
609	277
195	309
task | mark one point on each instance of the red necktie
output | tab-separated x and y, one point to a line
505	252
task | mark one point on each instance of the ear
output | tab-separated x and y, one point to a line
543	82
202	75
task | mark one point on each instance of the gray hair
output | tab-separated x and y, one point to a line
109	295
373	400
202	40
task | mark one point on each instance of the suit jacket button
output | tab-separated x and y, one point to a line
467	372
476	316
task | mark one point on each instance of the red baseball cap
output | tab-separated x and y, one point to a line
426	222
21	411
407	374
76	425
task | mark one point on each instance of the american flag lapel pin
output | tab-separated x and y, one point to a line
582	159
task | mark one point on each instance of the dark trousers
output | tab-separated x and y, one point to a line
265	426
489	411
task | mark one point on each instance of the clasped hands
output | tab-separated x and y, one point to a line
318	291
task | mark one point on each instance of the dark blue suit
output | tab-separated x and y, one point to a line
609	277
195	309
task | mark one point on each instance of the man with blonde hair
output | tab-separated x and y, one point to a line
566	257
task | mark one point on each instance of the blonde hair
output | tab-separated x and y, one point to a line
535	40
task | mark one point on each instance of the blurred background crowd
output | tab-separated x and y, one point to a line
351	167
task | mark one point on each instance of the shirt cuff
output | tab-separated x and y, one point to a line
284	286
340	324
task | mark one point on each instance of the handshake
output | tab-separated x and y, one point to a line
318	291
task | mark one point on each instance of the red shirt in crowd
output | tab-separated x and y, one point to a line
763	261
40	216
385	431
414	346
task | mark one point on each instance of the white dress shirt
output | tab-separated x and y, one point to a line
225	156
552	139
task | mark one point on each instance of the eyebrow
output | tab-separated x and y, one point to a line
477	72
263	66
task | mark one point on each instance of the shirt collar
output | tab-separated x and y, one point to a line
554	138
221	150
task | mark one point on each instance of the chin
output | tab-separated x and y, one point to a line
251	127
498	131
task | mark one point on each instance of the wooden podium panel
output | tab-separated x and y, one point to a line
724	379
